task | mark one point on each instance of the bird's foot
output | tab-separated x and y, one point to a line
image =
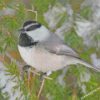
29	69
45	75
26	68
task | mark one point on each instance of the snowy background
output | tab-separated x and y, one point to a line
76	22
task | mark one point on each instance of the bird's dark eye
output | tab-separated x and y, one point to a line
33	27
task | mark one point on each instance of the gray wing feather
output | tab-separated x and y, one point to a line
55	45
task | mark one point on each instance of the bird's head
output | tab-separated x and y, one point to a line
35	30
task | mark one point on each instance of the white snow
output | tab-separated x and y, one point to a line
88	29
60	78
95	60
85	77
7	84
83	87
7	11
53	15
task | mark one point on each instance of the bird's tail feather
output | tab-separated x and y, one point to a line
88	65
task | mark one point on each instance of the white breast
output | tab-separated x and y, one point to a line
41	59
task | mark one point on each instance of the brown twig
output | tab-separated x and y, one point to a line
32	10
36	73
41	88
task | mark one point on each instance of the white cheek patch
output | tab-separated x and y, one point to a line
39	34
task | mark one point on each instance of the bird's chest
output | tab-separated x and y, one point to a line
40	58
29	54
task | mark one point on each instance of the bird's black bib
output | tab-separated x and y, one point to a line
26	41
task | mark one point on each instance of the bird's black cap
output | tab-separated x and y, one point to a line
29	22
31	25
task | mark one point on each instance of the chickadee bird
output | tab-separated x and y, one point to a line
44	50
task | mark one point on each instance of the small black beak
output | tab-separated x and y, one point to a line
21	30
